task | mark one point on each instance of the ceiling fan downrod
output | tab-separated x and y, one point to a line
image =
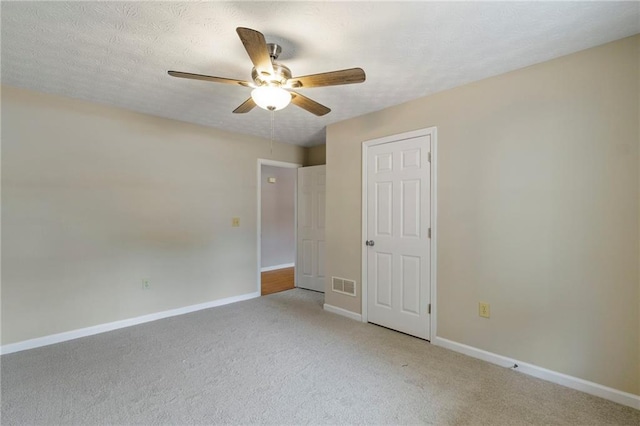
274	50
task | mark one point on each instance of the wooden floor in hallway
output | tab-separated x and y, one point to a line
278	280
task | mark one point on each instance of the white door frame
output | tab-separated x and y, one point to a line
264	162
432	131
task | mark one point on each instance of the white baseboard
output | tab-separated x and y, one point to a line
576	383
343	312
101	328
274	267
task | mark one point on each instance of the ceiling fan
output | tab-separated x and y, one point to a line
272	81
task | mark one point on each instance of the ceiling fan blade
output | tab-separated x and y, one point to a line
246	106
256	46
333	78
209	78
308	104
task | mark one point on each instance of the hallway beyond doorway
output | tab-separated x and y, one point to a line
277	280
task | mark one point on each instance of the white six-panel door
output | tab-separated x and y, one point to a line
310	244
398	214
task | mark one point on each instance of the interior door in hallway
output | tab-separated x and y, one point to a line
398	234
311	243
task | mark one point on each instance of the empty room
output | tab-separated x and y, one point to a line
320	213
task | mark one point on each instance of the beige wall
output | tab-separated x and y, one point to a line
95	199
315	156
538	206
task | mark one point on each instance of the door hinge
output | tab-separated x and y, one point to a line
429	308
429	157
429	232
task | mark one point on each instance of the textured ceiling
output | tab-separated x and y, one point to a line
118	53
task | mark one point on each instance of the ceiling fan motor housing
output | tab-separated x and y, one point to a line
281	73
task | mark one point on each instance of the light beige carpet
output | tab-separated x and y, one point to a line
277	359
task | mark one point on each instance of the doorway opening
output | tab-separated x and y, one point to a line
277	211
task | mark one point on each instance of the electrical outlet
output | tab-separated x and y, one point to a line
146	285
235	222
483	310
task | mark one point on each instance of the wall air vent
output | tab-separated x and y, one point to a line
343	285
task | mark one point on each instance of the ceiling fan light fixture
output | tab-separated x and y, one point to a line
271	98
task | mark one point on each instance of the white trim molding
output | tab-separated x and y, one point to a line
102	328
343	312
615	395
276	267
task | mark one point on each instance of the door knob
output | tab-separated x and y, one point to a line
370	243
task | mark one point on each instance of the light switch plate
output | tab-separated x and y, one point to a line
484	310
235	222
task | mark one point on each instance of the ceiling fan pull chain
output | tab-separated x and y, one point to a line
272	131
